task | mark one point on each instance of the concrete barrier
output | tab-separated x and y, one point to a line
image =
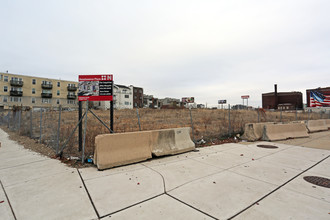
113	150
276	132
327	122
171	141
254	131
317	125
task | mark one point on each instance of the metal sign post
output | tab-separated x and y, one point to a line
222	101
247	99
95	88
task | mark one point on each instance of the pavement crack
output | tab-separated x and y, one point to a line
4	168
159	174
11	208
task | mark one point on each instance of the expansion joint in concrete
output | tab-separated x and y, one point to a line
279	187
135	204
191	206
11	208
89	196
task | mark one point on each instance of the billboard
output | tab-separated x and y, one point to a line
319	98
188	100
222	101
245	96
95	87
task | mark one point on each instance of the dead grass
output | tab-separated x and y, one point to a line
209	124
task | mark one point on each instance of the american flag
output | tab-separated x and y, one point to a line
318	99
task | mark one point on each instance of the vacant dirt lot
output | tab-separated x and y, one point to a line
213	125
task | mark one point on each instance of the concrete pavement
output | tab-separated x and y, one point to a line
230	181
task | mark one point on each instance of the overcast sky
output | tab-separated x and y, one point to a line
207	49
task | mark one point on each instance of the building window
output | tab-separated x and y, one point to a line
5	78
126	96
16	89
0	76
57	101
140	90
5	99
58	84
15	99
5	88
47	91
33	91
33	100
126	103
135	104
58	92
46	100
33	81
71	102
135	90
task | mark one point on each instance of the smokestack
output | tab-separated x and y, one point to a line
275	96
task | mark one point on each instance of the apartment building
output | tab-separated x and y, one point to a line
150	102
170	103
137	97
31	91
122	98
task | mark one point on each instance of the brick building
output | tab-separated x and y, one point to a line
282	100
137	97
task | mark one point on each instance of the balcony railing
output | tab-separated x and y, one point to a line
46	85
46	95
18	83
72	88
16	93
71	96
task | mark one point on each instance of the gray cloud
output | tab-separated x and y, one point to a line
208	49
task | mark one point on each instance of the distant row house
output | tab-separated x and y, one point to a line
124	97
39	92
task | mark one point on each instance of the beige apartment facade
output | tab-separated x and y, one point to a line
34	92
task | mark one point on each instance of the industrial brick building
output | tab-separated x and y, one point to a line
282	100
31	91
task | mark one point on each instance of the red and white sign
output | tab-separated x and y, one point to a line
95	88
245	96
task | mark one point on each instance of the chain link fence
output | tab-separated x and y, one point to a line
53	128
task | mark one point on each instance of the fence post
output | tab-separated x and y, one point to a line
40	125
229	125
296	115
58	129
84	139
281	115
192	125
137	112
19	120
31	125
308	115
8	119
258	115
80	126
